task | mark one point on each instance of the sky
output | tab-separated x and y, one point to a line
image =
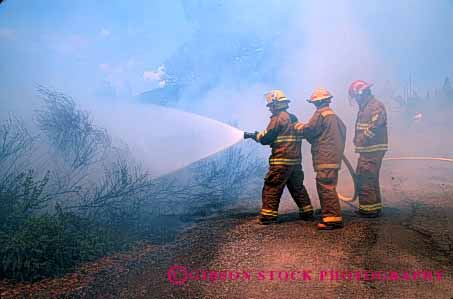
99	45
414	36
111	50
120	46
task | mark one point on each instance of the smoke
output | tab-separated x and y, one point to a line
329	44
218	58
310	44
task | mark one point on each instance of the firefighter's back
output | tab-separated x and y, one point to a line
328	148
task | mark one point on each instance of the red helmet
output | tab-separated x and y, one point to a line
357	87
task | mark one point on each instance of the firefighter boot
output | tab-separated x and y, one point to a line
330	225
368	215
266	220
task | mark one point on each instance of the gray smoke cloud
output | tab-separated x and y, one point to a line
237	50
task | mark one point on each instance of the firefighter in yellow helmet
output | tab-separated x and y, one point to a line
285	167
326	133
371	142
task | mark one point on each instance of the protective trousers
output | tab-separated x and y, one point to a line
326	184
275	181
368	168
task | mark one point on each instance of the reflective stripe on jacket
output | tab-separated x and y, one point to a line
280	135
326	133
371	128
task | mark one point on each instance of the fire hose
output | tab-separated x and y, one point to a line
348	164
354	181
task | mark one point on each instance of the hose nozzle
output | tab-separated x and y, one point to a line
248	135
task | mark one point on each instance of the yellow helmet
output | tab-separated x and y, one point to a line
275	96
320	94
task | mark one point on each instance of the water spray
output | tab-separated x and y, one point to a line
164	139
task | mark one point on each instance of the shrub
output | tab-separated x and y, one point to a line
96	212
49	245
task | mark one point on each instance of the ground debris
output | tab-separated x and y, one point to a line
82	282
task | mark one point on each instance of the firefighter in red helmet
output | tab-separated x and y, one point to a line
371	143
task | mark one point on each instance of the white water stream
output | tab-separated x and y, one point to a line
164	139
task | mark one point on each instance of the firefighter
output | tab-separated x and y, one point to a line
285	167
326	133
371	143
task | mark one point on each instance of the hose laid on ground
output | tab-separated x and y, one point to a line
354	178
419	158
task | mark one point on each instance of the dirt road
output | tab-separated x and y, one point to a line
395	243
415	235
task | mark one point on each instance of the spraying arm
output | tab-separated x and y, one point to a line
267	136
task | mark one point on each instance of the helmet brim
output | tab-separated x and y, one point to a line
277	102
321	100
368	86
